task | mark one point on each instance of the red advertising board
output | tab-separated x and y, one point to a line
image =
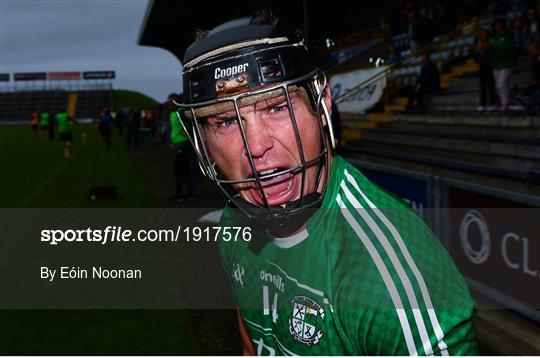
74	75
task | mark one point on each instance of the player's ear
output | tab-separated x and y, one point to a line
326	105
327	98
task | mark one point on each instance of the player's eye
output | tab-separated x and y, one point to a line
222	125
220	122
227	122
279	108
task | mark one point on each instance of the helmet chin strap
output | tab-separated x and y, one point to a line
291	216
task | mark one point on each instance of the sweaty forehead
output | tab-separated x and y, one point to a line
228	105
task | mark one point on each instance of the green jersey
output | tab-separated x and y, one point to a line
62	121
366	277
502	52
44	119
177	132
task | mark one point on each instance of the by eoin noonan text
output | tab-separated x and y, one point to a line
67	272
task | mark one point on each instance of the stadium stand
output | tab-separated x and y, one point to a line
460	89
463	92
17	105
451	137
504	146
90	103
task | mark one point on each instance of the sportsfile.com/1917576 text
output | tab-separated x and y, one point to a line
119	234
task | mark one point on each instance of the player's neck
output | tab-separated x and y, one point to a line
285	232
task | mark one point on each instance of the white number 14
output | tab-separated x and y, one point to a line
266	305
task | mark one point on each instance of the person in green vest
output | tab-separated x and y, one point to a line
63	123
328	262
44	123
503	59
183	156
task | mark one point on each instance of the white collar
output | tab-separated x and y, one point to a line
289	241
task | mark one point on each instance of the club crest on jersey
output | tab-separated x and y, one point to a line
307	320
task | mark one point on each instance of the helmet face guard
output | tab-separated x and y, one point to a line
245	77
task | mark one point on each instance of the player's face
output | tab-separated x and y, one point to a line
272	143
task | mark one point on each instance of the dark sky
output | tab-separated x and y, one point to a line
85	35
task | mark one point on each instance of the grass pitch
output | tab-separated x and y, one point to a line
35	174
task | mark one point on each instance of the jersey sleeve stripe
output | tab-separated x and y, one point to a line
417	314
408	258
383	271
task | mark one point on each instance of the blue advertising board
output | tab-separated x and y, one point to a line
99	75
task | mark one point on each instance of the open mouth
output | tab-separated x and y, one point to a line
278	189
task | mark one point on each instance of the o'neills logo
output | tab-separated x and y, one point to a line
229	71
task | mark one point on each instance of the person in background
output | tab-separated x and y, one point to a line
120	120
182	167
151	121
423	28
64	130
130	125
532	23
52	125
428	82
503	60
34	122
105	126
394	56
485	71
45	124
142	115
161	125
